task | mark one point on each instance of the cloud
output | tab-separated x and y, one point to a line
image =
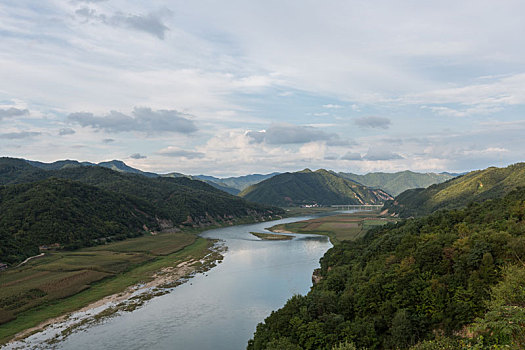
66	131
179	153
480	109
282	134
379	154
13	112
351	156
332	106
19	135
137	156
141	120
373	122
331	156
108	140
151	23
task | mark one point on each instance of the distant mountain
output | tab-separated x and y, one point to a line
239	182
119	165
230	190
60	164
476	186
308	187
395	183
203	178
116	165
69	213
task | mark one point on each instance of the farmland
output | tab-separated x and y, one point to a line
63	281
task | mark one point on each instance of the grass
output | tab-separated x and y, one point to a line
62	282
272	236
338	227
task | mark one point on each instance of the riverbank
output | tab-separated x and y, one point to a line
116	271
133	297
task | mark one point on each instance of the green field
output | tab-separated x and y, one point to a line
63	281
338	227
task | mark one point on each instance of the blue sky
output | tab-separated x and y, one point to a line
236	87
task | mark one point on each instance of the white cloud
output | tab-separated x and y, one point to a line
332	106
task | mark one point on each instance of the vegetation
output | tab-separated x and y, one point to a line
307	187
79	206
338	227
68	213
395	183
451	280
272	236
62	282
475	186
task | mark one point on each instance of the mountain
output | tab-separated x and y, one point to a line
116	165
395	183
69	213
60	164
177	202
119	165
475	186
218	185
14	170
452	280
308	187
227	189
239	182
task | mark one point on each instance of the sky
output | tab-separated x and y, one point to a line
234	87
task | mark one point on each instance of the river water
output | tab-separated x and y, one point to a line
218	309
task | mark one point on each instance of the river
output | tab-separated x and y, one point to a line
218	309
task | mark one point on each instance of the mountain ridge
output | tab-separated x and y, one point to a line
478	185
308	187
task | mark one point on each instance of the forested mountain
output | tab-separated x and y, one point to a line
203	178
238	182
452	280
395	183
477	186
119	165
308	187
69	213
116	165
59	164
176	202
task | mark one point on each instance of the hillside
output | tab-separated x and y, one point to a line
119	165
308	187
177	202
68	213
395	183
239	182
474	186
457	274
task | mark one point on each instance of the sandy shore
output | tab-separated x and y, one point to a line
278	230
